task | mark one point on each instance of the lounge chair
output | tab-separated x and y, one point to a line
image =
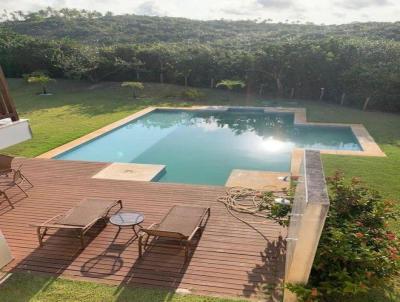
5	164
17	180
6	169
79	219
181	223
4	195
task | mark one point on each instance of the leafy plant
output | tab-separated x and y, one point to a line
135	86
39	78
231	84
357	252
192	94
279	212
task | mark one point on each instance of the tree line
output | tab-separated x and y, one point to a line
349	70
106	29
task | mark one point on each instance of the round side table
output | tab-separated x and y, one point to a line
131	220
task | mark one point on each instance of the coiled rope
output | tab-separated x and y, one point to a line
238	200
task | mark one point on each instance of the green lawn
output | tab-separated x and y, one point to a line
24	287
77	108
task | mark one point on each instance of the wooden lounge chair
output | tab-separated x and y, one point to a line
181	223
78	219
6	169
5	164
17	180
4	195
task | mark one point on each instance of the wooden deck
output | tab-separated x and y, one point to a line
230	259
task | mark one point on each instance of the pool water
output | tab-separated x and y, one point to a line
203	146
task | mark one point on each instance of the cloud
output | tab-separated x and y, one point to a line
317	11
360	4
250	9
275	4
235	11
148	8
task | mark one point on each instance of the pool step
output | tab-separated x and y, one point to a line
133	172
258	180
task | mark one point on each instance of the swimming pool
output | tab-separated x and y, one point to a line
203	146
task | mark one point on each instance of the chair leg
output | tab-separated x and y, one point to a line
7	199
26	195
81	238
24	177
187	251
140	246
40	237
146	241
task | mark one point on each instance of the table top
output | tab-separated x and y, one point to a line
127	219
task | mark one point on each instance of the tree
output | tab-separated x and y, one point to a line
135	86
77	61
184	65
158	57
41	79
273	61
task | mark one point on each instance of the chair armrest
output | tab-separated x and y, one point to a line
5	171
52	218
152	225
47	222
116	203
193	233
56	226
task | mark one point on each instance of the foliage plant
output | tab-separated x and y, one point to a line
231	84
135	86
357	252
192	94
40	78
279	212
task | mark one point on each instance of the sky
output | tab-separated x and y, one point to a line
316	11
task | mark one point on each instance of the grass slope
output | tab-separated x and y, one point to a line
39	288
77	108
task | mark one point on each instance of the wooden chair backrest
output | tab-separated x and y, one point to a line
7	106
5	162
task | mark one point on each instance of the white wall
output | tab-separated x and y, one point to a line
12	133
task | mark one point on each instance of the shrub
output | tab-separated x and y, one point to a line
192	94
231	84
135	86
39	77
279	212
357	252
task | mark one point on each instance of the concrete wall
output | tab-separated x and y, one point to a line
12	133
5	253
310	208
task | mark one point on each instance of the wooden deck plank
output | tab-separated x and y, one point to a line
230	258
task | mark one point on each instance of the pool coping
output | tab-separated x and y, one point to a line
366	141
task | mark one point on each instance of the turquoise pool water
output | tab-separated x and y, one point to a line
202	147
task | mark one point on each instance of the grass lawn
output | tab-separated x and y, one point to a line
77	108
23	287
